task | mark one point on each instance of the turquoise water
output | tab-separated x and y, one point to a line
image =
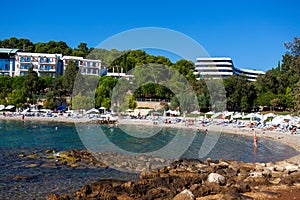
36	137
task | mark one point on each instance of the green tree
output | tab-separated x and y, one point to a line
131	102
293	47
174	104
31	83
71	72
274	103
104	92
17	98
296	96
5	86
80	101
57	86
244	104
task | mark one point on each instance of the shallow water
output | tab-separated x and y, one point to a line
36	137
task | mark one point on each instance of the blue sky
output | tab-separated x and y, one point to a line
252	32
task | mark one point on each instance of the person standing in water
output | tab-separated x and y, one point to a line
254	138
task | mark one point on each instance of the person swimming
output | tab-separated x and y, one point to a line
254	138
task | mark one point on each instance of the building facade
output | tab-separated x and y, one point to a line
42	63
250	74
221	67
213	67
86	66
7	61
16	63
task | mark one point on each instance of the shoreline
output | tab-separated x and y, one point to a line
278	136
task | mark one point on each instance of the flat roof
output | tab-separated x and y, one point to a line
39	54
214	58
8	51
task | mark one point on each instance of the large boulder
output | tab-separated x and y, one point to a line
184	195
216	178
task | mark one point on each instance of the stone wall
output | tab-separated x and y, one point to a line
154	105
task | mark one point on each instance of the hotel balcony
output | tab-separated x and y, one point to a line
216	73
47	68
212	63
212	68
47	61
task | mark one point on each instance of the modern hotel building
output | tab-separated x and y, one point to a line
16	63
221	67
7	61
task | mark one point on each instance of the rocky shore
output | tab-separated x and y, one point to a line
193	179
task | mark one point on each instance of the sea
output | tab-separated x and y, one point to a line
19	181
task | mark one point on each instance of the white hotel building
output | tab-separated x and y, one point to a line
86	66
221	67
43	63
250	74
15	63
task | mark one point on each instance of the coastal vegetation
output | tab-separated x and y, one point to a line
278	89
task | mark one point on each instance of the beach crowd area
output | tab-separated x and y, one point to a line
280	128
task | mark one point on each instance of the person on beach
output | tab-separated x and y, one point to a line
23	118
206	131
254	138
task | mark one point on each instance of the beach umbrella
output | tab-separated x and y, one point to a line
269	115
216	115
93	110
46	110
250	115
2	107
175	112
226	114
238	115
9	107
169	111
61	108
34	110
287	117
210	113
277	120
25	111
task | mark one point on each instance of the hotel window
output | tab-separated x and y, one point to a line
28	59
22	59
47	67
88	64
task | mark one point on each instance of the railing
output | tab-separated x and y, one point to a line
152	100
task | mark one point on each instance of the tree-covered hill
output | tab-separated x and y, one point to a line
278	89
